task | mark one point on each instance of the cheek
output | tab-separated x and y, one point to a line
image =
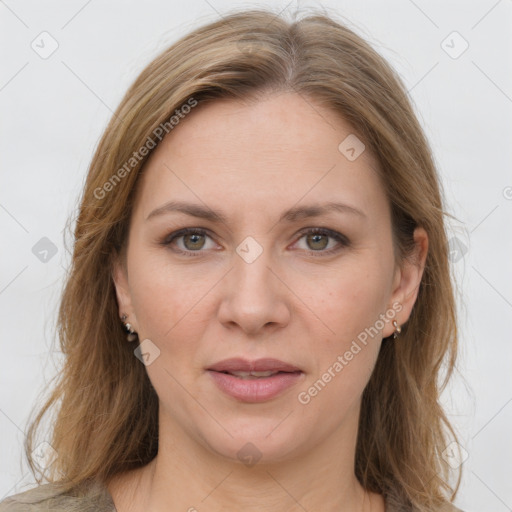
172	308
344	360
169	299
352	300
350	304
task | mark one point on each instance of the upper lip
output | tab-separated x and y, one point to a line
259	365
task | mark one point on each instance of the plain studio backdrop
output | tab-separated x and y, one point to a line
66	66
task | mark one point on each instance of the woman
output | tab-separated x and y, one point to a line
260	302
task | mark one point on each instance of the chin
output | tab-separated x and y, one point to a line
260	442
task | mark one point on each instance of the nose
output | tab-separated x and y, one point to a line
254	297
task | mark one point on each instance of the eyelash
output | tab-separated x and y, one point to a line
341	239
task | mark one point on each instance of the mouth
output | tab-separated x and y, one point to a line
254	381
252	375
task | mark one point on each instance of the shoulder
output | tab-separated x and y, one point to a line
393	504
91	497
398	508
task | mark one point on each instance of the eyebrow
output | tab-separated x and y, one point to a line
291	215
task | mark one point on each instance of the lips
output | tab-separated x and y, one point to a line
254	381
259	365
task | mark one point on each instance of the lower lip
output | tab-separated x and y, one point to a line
255	390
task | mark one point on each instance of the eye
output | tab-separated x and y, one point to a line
317	240
188	241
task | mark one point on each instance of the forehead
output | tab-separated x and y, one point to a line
273	151
280	126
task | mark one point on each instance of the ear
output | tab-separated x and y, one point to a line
406	282
124	300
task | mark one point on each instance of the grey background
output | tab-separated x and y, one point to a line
54	110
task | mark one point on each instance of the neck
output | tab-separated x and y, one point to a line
187	476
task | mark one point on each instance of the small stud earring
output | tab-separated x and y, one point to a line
398	329
132	335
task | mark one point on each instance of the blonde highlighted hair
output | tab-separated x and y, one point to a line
107	409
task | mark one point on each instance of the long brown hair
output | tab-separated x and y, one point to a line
107	409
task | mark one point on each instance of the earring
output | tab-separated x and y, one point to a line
132	335
398	329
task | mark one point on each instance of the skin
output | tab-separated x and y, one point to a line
253	161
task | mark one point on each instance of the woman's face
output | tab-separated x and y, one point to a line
259	283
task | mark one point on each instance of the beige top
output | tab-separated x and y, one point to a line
93	497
